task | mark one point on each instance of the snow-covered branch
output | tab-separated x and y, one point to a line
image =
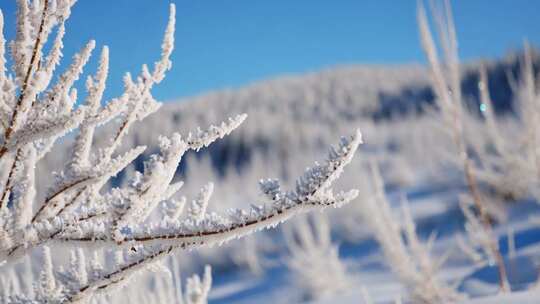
79	208
314	260
406	255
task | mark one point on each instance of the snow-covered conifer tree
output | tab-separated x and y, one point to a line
79	210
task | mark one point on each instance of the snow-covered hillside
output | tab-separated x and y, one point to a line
293	115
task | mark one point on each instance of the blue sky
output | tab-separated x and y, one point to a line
230	43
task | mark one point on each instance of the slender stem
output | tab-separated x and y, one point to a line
213	232
7	187
54	234
486	222
71	202
37	45
57	193
109	279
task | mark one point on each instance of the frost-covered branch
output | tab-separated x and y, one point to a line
408	258
314	260
79	208
482	243
509	161
312	192
446	80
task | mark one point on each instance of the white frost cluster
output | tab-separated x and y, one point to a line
314	260
510	158
497	163
495	152
481	244
197	289
406	255
78	209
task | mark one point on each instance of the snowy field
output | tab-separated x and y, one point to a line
371	275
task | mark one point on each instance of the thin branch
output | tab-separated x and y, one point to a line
35	51
64	189
10	176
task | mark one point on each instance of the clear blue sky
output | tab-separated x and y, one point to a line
230	43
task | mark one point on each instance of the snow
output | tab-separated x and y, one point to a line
370	270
